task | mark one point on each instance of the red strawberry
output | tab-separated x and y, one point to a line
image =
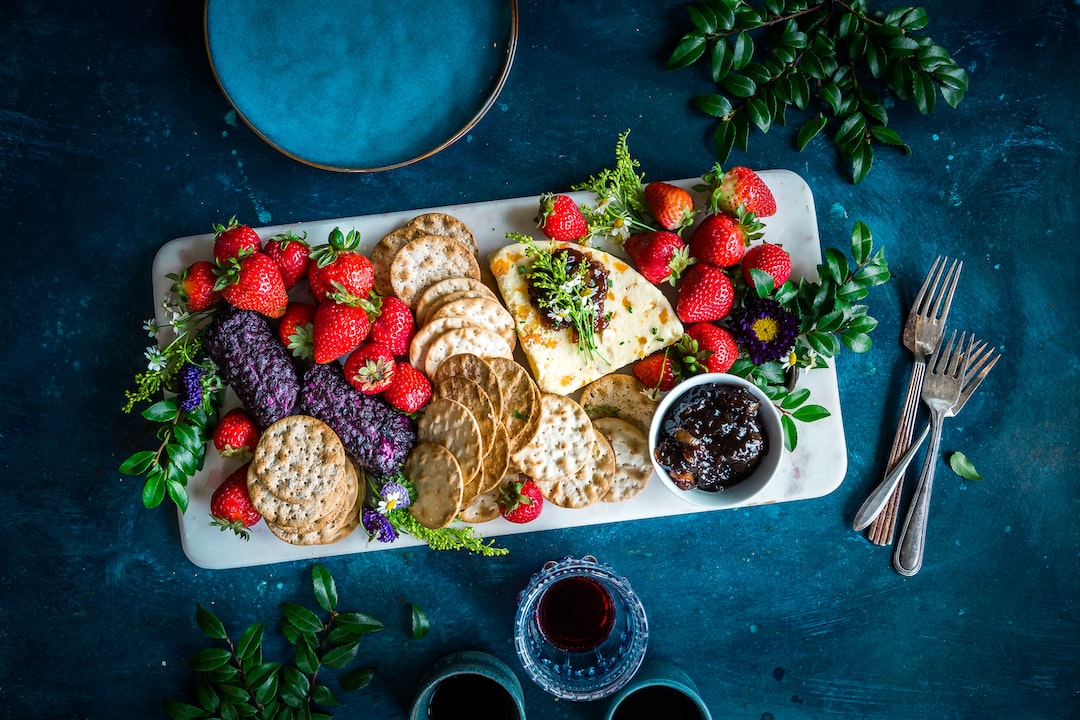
721	239
253	282
236	434
234	239
521	501
294	331
705	293
659	256
338	329
338	266
194	287
370	368
740	187
560	218
657	372
410	391
716	349
290	253
230	505
672	206
394	326
769	258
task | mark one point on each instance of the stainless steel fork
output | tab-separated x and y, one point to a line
941	392
980	360
922	333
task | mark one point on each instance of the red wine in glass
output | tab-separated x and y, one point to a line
576	614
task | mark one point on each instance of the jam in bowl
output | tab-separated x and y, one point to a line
716	440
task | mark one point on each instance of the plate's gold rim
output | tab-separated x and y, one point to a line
508	61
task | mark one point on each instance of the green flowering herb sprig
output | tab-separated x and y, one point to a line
830	316
621	209
182	422
833	59
237	681
386	516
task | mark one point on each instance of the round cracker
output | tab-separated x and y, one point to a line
434	305
496	460
484	507
442	288
622	396
484	311
382	255
436	477
427	333
476	369
337	529
633	469
469	339
588	484
437	223
427	259
346	499
298	459
298	516
469	393
563	442
521	401
450	424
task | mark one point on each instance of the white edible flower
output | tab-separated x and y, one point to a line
620	229
601	206
155	359
151	327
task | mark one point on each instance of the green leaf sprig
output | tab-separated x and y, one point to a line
182	434
447	538
237	681
621	208
834	59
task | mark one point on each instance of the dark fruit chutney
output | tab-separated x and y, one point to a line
712	438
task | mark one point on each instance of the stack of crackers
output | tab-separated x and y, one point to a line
302	483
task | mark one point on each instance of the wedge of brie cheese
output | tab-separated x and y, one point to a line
640	321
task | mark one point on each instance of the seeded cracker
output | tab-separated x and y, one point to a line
622	396
429	310
299	459
588	484
436	477
497	459
436	223
475	340
427	259
485	312
427	333
483	508
562	444
450	424
521	401
476	369
472	396
338	529
445	287
383	254
633	469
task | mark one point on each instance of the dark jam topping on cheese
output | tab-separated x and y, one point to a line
568	290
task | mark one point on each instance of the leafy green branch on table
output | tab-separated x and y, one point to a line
832	58
235	680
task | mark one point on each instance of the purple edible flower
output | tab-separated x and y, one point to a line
190	391
377	525
393	496
765	330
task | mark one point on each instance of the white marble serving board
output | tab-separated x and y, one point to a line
815	468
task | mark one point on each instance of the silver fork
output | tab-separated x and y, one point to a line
922	334
941	392
979	363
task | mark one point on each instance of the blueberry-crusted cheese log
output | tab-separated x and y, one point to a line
254	363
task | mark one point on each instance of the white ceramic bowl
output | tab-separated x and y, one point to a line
742	492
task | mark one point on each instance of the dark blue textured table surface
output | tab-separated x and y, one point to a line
114	139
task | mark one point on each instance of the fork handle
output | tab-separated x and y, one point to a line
884	524
908	554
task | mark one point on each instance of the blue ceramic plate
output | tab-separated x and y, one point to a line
361	85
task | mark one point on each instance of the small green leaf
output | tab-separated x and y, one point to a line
264	683
791	434
720	60
339	657
322	696
809	131
739	85
182	711
810	413
154	488
208	623
293	687
723	141
233	695
862	159
758	113
742	50
795	399
177	491
182	458
690	48
306	659
305	620
208	697
420	624
703	18
356	679
162	411
138	463
963	467
712	104
250	642
209	659
325	588
358	623
857	341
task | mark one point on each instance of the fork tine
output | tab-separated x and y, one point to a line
958	360
971	381
951	280
977	357
941	357
931	281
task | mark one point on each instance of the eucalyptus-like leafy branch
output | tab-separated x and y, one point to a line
832	59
